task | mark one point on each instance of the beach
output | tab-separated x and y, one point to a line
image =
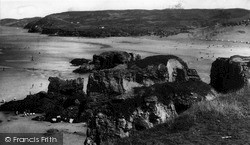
27	60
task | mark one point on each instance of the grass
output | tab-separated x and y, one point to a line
225	120
222	107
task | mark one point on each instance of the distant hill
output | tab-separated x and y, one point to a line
133	22
18	22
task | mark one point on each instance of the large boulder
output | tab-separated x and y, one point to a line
230	74
107	60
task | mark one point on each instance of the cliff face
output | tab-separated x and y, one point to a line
230	74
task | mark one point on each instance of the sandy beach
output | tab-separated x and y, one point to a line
19	124
28	59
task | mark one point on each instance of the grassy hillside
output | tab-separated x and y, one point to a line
224	120
133	22
18	22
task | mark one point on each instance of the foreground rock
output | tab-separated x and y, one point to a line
142	109
64	98
149	92
107	60
230	74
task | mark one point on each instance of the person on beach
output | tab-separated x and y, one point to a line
32	86
41	84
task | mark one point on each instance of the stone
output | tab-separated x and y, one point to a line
143	108
79	61
64	98
230	74
66	87
122	80
107	60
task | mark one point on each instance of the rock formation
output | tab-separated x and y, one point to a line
64	98
107	60
159	69
142	109
230	74
124	94
79	61
150	91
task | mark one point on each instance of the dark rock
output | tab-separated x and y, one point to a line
37	103
230	74
66	87
113	82
70	112
62	95
142	109
39	118
79	61
107	60
156	91
111	59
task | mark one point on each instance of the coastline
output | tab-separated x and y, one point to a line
52	63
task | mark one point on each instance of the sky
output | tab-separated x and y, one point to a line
31	8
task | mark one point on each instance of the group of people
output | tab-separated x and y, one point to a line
26	113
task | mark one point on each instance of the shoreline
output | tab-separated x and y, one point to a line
75	132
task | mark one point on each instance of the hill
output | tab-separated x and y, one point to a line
133	22
18	22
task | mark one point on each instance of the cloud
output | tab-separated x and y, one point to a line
217	4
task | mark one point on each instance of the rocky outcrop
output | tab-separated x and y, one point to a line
142	109
230	74
65	98
79	61
107	60
123	95
150	91
160	69
65	87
